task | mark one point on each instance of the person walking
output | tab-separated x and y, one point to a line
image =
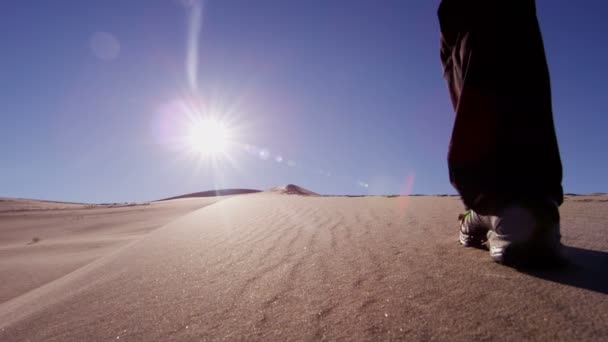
503	157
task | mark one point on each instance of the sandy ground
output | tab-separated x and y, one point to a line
41	241
285	267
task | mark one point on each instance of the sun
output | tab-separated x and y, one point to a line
209	137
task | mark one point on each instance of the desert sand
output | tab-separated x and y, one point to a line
281	266
41	241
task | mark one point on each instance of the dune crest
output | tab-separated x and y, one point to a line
291	189
214	193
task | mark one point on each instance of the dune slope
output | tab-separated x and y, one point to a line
277	267
41	241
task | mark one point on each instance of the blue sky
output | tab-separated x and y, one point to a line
350	91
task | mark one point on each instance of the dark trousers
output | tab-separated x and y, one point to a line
503	147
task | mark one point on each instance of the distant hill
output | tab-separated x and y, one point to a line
291	189
213	193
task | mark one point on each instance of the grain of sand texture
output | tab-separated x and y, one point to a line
282	267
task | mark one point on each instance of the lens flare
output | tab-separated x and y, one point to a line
105	46
194	31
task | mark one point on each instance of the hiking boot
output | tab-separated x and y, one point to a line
517	235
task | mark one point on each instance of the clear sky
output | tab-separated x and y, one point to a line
96	94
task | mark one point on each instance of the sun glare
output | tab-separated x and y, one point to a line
209	137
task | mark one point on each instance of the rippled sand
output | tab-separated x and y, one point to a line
273	266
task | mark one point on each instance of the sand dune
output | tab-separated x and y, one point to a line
291	189
274	267
41	241
213	193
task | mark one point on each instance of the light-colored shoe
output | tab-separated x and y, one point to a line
516	235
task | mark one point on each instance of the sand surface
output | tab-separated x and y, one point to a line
41	241
285	267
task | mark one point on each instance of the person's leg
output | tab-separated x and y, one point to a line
503	157
503	147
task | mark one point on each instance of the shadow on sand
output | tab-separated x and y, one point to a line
585	269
